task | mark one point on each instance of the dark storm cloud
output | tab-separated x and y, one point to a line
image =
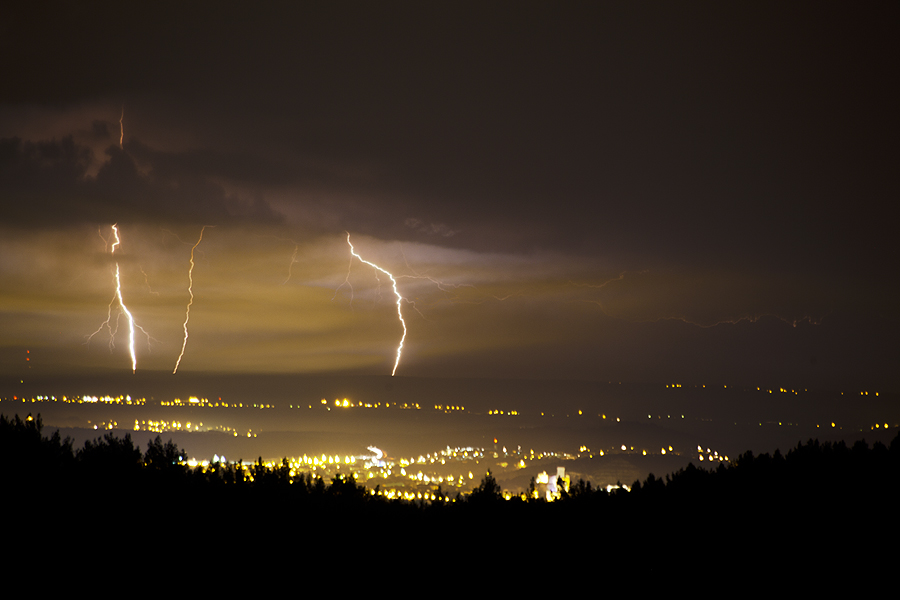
100	131
703	133
46	183
734	161
438	229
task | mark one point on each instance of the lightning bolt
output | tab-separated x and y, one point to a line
453	291
396	293
122	127
346	279
187	312
147	281
605	283
290	268
291	265
444	287
123	308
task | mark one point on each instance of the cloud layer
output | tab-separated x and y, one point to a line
584	191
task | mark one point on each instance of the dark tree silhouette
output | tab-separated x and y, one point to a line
486	491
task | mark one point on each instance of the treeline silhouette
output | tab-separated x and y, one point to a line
826	493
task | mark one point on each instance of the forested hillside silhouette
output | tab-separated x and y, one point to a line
816	493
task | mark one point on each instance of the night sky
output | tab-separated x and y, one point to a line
692	192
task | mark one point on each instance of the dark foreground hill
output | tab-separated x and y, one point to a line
816	505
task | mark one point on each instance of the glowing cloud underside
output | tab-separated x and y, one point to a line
187	312
396	293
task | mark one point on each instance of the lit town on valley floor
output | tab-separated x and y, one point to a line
608	449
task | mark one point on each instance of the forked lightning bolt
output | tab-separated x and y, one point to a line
396	293
187	312
124	309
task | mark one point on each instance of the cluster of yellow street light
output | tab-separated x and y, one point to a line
443	456
414	470
711	455
372	470
781	390
319	461
123	400
403	495
420	477
760	389
345	403
314	463
166	426
194	401
342	403
126	400
448	409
